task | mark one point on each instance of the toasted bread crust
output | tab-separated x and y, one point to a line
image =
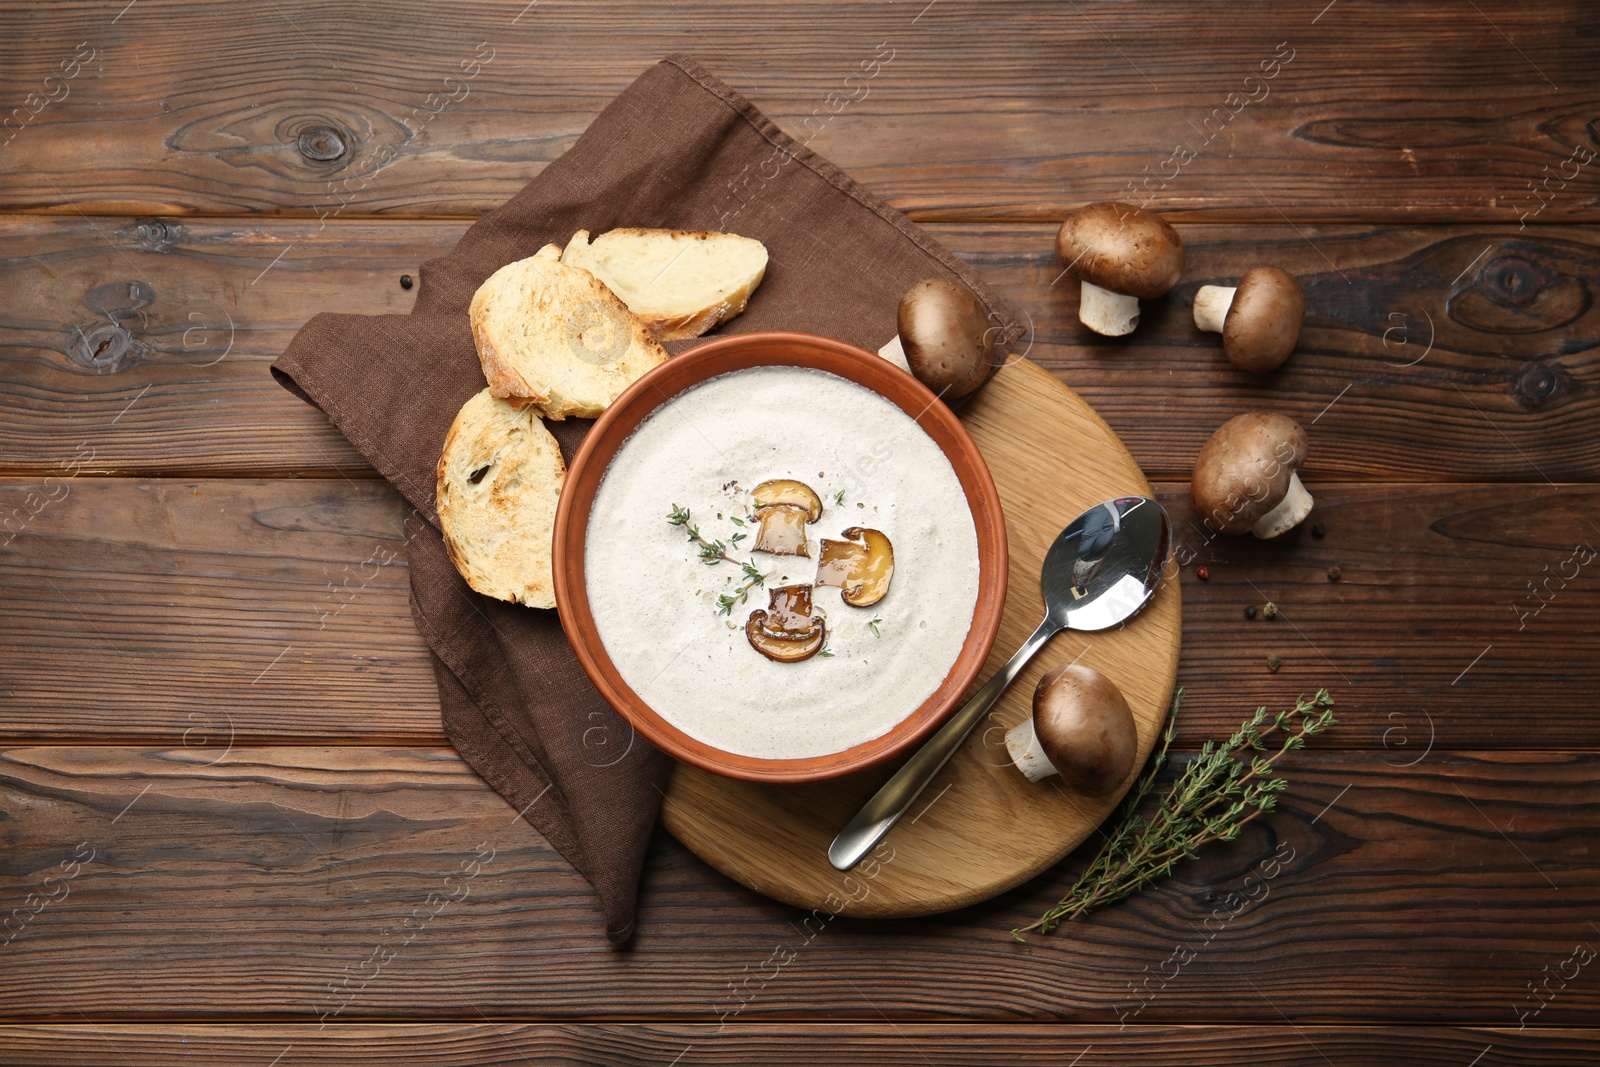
670	307
499	528
555	336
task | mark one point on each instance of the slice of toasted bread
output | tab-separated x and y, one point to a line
499	479
681	283
553	335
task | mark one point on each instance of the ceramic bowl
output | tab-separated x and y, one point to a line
739	352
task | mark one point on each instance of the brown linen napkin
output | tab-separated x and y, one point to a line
677	149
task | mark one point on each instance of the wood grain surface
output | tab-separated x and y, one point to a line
275	610
486	1044
997	829
1367	111
210	681
1429	354
325	884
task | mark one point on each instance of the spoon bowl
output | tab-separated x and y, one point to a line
1102	568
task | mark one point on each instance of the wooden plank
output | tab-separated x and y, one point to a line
278	883
277	609
1438	353
966	110
211	611
800	1044
144	344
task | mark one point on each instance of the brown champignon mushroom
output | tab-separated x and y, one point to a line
861	571
1245	478
786	631
1259	319
788	491
1081	729
1120	254
945	337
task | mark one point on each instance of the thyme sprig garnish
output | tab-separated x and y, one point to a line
752	578
715	552
711	552
1224	787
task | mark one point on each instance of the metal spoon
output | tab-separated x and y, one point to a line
1101	570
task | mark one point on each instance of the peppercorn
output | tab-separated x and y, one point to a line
405	281
1273	662
1319	531
1269	610
1334	572
1249	611
1203	573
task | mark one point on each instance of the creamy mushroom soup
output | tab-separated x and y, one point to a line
679	492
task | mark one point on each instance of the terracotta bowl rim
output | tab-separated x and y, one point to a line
739	352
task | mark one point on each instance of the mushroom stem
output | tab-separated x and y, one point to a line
1295	505
895	353
1106	312
1211	306
1026	752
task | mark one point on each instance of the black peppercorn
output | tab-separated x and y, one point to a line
405	281
1249	611
1319	531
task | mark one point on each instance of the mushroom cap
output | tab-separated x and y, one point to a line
1244	469
1123	248
946	337
788	491
1085	728
1264	319
787	632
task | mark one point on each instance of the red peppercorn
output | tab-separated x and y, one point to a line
1203	573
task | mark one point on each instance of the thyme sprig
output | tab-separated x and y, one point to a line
711	552
752	578
1224	787
715	552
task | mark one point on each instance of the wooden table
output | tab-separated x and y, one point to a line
223	777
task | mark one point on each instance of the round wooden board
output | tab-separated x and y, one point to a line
980	828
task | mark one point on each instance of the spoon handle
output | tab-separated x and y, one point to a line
897	794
